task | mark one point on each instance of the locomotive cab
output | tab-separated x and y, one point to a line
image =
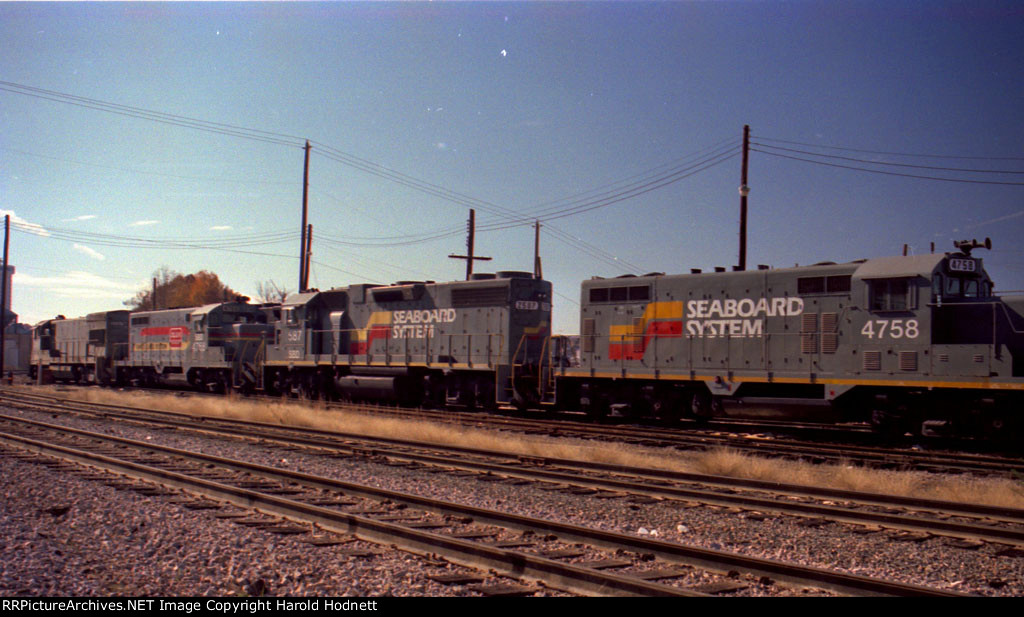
963	310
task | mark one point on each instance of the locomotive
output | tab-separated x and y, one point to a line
469	343
212	347
908	343
905	342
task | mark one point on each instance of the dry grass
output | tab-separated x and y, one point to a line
723	462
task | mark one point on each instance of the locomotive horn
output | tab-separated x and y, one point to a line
966	246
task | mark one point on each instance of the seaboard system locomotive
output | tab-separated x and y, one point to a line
907	343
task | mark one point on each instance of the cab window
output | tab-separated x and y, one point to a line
891	295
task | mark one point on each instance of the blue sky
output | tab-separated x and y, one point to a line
521	109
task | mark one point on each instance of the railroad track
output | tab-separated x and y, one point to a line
967	522
717	435
340	507
915	519
756	438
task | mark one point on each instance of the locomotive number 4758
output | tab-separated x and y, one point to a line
891	328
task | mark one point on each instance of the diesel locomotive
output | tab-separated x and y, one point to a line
905	342
908	343
470	343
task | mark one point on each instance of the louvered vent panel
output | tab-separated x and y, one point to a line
809	322
872	361
588	335
829	332
478	296
979	358
908	360
808	333
638	335
829	322
943	357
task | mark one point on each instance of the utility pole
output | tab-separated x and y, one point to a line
537	273
469	256
308	256
302	229
3	292
744	191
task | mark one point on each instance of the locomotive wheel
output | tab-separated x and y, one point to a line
597	408
668	407
701	406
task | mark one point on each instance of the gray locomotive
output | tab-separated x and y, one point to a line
212	347
82	349
906	342
471	343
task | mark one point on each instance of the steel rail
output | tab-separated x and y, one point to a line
567	577
868	455
905	522
1008	515
710	559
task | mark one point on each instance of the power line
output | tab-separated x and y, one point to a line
600	197
629	193
889	163
96	239
154	116
931	156
151	173
888	173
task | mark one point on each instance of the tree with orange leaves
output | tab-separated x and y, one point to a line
176	290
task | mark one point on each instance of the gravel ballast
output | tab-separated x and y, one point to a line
118	542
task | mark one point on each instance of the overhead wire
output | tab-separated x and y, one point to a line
583	202
149	173
155	116
98	239
888	173
890	163
906	154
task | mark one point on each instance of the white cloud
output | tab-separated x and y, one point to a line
88	251
84	217
32	228
221	227
77	284
143	223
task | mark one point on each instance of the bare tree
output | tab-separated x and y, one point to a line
269	292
